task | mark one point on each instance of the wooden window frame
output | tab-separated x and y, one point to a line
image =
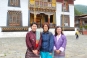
49	0
62	22
14	18
14	3
65	5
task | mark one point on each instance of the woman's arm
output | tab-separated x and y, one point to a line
62	48
28	43
51	43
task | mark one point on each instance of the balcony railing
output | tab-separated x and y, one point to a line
42	4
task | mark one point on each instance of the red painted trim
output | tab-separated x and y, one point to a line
59	1
69	1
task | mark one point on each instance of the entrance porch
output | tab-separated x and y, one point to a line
42	18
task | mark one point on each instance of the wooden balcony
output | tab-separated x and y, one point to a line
41	4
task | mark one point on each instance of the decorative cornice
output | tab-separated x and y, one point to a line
43	9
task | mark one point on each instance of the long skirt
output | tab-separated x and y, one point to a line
30	54
59	56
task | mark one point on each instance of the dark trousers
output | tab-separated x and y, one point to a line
77	36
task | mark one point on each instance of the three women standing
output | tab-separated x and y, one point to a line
46	43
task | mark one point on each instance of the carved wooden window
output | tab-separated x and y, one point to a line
65	6
14	3
65	20
45	4
41	3
37	3
49	0
14	18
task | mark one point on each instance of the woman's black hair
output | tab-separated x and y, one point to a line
56	30
33	23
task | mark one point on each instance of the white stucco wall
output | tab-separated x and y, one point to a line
3	12
0	29
24	8
59	13
71	7
4	9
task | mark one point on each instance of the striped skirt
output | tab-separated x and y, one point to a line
61	55
30	54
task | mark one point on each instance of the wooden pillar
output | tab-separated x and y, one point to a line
34	13
35	18
49	19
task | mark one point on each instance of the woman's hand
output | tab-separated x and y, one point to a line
50	53
58	51
35	52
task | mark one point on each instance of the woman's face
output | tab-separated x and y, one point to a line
45	28
58	30
34	27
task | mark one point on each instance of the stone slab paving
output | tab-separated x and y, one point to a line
12	47
76	48
15	47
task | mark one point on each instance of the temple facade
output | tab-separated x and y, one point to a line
17	15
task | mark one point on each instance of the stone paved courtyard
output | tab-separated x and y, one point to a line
16	48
